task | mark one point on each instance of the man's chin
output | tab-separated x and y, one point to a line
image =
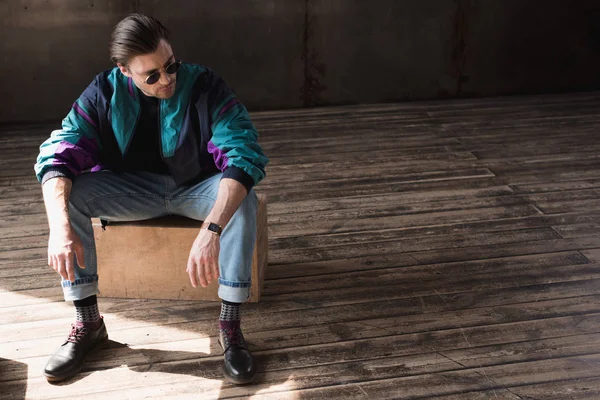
166	93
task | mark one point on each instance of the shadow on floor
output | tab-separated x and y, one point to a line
194	364
16	387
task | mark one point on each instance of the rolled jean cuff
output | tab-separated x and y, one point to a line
235	292
81	288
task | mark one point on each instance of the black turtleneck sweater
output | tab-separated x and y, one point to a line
144	152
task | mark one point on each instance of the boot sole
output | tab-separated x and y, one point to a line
58	378
237	381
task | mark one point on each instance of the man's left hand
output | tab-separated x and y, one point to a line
203	262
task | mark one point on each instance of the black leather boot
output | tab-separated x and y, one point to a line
69	358
239	366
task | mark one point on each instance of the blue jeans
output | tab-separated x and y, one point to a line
144	195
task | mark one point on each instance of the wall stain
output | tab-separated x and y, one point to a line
136	5
313	69
460	30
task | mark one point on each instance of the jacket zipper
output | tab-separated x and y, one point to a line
160	139
137	121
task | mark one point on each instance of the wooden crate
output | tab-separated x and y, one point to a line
147	259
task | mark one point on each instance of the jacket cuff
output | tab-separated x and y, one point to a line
239	175
57	172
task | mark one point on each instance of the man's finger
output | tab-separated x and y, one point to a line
69	267
215	270
208	271
202	273
80	257
53	263
192	272
60	268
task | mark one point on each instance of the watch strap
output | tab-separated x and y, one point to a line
212	227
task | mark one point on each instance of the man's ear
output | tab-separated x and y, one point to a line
124	70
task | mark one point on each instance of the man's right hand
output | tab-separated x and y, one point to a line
63	246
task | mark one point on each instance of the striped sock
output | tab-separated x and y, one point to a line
230	315
87	313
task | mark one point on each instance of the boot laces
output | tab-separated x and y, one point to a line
77	334
234	337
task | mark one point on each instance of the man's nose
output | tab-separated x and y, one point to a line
165	78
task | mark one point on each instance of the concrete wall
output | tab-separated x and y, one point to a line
298	53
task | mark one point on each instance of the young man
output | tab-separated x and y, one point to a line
152	137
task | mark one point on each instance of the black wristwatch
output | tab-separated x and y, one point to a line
212	227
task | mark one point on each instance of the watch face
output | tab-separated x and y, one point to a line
214	228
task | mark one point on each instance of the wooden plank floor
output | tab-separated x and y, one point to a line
431	250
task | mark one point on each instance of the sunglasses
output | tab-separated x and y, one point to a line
170	69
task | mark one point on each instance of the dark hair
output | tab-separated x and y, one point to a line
135	35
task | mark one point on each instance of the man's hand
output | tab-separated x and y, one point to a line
203	262
63	246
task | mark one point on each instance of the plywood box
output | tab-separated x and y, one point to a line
147	259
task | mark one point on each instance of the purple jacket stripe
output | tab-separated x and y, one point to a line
219	156
83	114
228	106
76	157
130	87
